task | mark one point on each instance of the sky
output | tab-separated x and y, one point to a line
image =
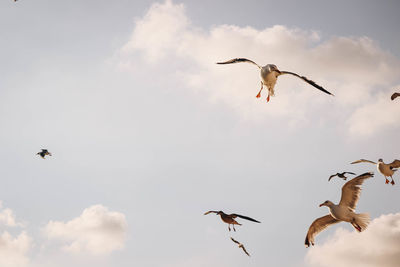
148	133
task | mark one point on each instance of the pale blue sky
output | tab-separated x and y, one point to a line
150	143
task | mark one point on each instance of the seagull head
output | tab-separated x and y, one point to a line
380	160
274	68
326	203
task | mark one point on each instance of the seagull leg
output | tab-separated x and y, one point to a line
392	182
268	98
387	181
259	93
233	227
229	228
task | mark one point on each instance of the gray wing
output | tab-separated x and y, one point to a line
330	177
317	226
395	164
244	217
238	60
352	189
393	97
319	87
363	160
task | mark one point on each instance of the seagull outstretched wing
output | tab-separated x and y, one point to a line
239	60
363	160
244	217
317	226
351	190
393	97
311	82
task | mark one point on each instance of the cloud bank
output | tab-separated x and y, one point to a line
379	245
13	251
97	231
355	69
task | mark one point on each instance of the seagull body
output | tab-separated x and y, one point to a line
240	245
386	170
393	97
44	153
230	218
341	175
344	211
269	75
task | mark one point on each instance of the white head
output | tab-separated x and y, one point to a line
273	68
327	203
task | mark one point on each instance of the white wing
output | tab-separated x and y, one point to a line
317	226
351	190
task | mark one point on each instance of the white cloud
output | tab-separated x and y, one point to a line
13	250
7	217
353	68
97	230
379	245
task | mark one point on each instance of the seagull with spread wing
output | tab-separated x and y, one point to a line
393	97
386	170
344	211
230	218
270	73
44	153
341	175
240	246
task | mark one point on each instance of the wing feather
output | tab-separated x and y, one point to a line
352	189
317	226
244	217
395	164
363	160
330	177
211	211
311	82
393	97
239	60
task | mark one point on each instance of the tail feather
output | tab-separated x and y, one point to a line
362	220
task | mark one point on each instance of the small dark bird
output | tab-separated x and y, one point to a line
393	97
44	153
341	175
230	218
241	246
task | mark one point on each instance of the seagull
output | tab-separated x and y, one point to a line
342	212
386	169
241	246
230	218
43	153
340	175
270	73
393	97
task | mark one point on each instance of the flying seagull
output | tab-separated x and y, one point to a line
230	218
342	212
386	170
241	246
340	175
393	97
270	73
43	153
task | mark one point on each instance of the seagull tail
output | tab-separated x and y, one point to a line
362	220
